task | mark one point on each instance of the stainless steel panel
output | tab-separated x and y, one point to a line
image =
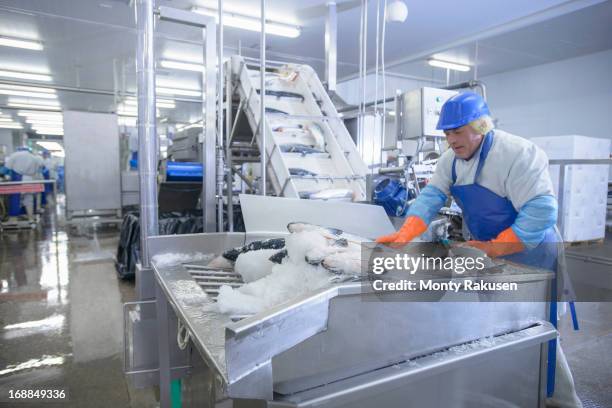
506	373
129	181
334	354
274	213
91	142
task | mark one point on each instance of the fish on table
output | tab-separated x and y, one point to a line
276	111
283	94
298	171
227	259
299	148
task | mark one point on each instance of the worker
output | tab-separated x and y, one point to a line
502	184
49	173
24	166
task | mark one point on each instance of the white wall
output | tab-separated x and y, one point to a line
572	96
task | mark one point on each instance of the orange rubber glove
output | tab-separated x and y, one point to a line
412	228
505	243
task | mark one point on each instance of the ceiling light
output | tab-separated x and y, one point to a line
34	106
38	114
51	146
397	12
25	75
47	127
28	88
185	66
175	91
251	23
53	132
35	102
13	125
160	103
448	65
58	154
6	120
21	43
44	123
44	120
27	94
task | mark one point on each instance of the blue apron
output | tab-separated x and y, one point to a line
487	214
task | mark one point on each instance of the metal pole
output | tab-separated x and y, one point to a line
147	134
561	200
220	84
262	71
228	160
331	43
209	80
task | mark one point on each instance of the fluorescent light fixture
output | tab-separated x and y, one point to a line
25	75
251	23
34	106
47	127
35	102
44	120
51	146
13	125
176	91
448	65
27	94
184	66
39	114
28	88
160	103
6	120
58	154
52	132
21	43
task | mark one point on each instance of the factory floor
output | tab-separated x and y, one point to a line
61	315
61	321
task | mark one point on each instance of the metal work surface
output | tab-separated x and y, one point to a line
309	341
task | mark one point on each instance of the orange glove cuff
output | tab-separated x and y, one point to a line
414	226
506	243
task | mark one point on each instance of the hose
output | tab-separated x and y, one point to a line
182	336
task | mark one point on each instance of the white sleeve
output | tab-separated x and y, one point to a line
442	178
528	176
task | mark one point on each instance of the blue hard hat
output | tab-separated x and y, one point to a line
461	109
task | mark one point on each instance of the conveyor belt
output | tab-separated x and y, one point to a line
302	130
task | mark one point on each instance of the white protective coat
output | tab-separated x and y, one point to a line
515	168
24	163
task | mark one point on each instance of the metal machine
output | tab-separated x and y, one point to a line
338	346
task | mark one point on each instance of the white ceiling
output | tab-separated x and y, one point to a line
91	43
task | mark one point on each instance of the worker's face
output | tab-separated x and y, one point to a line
464	141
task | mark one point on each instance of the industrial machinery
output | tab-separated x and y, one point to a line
310	153
336	346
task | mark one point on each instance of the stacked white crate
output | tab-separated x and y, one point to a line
586	186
